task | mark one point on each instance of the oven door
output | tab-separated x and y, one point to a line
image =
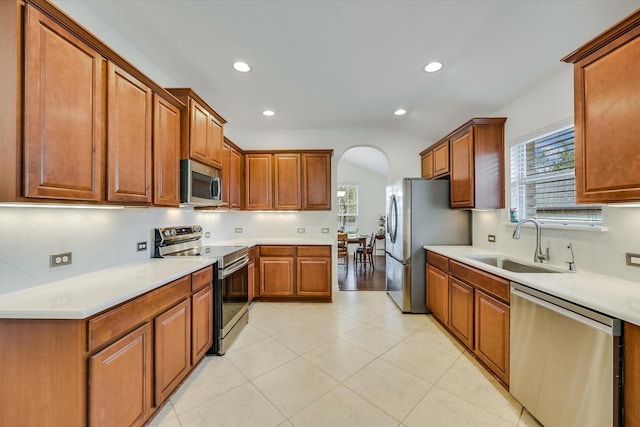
231	304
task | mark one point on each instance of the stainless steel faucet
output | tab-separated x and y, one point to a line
538	256
572	263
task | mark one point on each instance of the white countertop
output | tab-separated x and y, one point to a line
609	295
310	241
82	296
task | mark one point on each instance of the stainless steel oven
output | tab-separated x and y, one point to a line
231	280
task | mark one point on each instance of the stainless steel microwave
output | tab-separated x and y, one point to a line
200	185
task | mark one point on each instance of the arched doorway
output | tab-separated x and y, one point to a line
361	183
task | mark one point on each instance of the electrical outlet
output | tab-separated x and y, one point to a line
324	230
301	230
207	234
492	238
141	246
238	229
58	260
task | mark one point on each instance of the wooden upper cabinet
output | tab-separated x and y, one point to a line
426	164
64	115
129	117
286	177
202	129
462	174
166	153
441	159
477	164
235	178
607	107
259	184
316	181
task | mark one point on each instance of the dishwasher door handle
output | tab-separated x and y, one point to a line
564	312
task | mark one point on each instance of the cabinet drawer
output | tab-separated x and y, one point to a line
438	261
322	251
201	278
494	285
276	250
113	323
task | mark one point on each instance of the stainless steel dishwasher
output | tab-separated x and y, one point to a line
565	361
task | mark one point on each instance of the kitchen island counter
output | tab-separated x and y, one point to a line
615	297
82	296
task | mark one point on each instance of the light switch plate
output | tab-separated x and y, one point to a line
324	230
238	229
301	230
633	259
141	246
207	234
492	238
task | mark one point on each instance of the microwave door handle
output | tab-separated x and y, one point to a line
211	195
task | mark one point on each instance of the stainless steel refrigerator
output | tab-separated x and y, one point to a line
418	214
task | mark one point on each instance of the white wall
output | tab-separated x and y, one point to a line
601	252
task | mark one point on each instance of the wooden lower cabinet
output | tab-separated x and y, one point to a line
276	276
438	293
201	323
120	381
251	272
294	272
631	375
461	304
474	306
492	334
172	339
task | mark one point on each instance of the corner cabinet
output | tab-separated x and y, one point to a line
474	306
294	273
202	129
607	107
291	180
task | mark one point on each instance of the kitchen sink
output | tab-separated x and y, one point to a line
514	265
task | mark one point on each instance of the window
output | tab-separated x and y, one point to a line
348	207
543	181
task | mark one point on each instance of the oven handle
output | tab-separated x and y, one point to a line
223	274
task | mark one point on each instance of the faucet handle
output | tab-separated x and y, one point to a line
572	265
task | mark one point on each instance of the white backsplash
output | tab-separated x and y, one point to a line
102	239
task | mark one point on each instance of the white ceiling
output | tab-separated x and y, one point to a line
339	63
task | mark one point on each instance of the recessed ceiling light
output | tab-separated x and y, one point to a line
243	67
268	113
400	112
433	67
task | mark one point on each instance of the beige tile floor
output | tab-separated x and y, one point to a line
356	362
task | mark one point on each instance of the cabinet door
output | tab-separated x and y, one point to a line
120	381
462	171
441	159
226	174
427	165
438	293
492	334
461	311
251	272
214	142
172	349
201	323
198	131
631	374
235	184
64	115
276	276
129	118
313	276
286	175
316	178
259	187
607	108
166	153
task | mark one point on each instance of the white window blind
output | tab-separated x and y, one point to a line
543	181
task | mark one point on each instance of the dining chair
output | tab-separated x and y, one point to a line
343	248
364	254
